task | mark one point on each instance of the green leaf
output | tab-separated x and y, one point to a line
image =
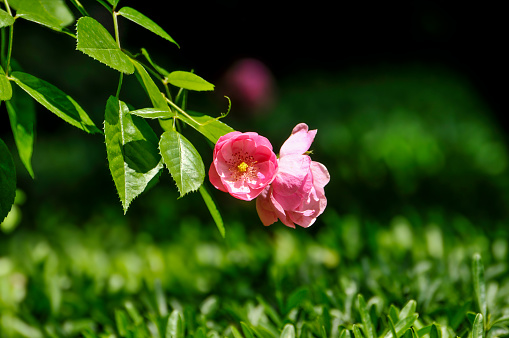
369	329
478	327
55	101
288	331
248	333
188	80
157	99
435	332
214	212
403	325
235	332
183	161
7	181
113	2
5	86
122	322
5	19
408	309
296	298
175	326
392	328
21	112
345	333
131	145
479	283
142	20
159	69
356	332
54	14
95	41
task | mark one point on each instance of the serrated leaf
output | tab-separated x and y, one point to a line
131	145
55	101
175	326
188	80
21	112
5	19
95	41
214	212
478	327
157	99
5	86
7	181
367	324
183	161
140	19
288	331
479	283
54	14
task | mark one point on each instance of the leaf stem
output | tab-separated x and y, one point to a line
182	111
80	7
115	23
120	80
11	36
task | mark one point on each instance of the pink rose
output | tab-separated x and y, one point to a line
243	164
297	193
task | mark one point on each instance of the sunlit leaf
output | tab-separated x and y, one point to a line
288	331
5	19
175	326
21	112
95	41
122	322
367	324
142	20
478	327
479	283
55	101
408	309
54	14
183	161
131	145
5	86
188	80
209	202
7	181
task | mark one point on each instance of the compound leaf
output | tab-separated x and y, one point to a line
95	41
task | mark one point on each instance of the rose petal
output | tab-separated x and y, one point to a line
299	141
215	179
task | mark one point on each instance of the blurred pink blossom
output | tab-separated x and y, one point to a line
243	164
296	196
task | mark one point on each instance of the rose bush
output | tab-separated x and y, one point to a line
243	164
296	196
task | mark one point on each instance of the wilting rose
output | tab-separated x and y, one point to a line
243	164
296	196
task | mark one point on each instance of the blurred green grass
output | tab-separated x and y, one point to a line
418	186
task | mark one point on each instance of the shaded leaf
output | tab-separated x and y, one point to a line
142	20
183	161
7	181
55	101
95	41
214	212
21	112
479	283
122	322
54	14
296	298
188	80
5	86
132	151
5	19
435	332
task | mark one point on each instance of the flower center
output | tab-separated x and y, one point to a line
243	166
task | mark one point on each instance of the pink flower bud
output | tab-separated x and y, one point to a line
296	196
243	164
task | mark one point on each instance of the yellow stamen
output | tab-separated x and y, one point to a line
242	167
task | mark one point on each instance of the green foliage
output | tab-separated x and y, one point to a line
188	81
95	41
53	14
5	87
142	20
5	19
